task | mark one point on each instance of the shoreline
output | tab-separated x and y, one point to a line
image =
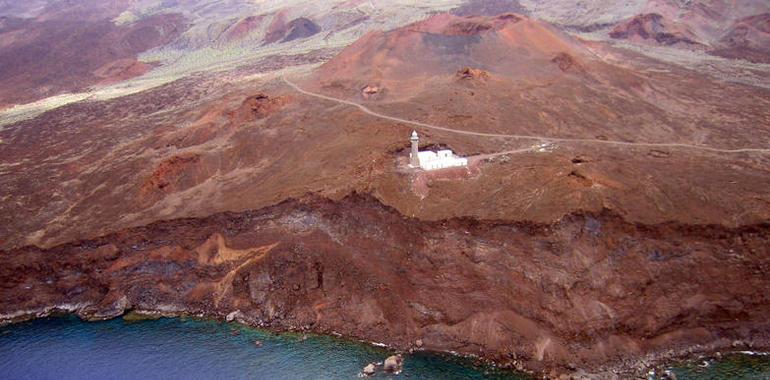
589	294
151	315
651	364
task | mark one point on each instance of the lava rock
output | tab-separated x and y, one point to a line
369	369
393	364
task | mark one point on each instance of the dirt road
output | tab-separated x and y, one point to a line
523	137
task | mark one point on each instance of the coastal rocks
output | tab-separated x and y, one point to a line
372	297
138	316
418	343
257	343
393	364
231	317
369	369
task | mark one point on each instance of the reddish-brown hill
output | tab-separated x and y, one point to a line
749	39
725	28
243	27
507	45
650	249
538	81
41	58
652	27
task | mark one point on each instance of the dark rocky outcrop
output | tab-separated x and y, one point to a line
471	73
537	296
653	27
748	39
301	28
566	62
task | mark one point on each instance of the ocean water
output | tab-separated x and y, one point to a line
176	348
66	348
730	366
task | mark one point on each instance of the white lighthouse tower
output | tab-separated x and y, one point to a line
429	160
414	159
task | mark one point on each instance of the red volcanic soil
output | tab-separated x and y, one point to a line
169	171
540	82
277	28
748	39
653	27
120	70
566	62
258	106
280	30
574	252
471	73
725	28
243	27
589	291
44	58
510	45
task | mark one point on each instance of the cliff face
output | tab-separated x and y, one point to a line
590	291
615	206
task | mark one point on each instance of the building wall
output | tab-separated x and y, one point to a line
440	160
443	163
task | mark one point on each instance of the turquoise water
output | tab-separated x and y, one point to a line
730	366
66	348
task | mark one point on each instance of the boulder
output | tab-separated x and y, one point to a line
369	369
418	343
393	364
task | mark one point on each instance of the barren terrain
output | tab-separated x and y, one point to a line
615	212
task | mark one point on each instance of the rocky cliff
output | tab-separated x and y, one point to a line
590	291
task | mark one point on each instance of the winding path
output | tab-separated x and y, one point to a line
520	137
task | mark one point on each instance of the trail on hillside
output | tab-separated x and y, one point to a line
520	137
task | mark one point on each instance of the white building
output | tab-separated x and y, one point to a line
429	160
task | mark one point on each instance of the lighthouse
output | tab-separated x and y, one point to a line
414	160
430	160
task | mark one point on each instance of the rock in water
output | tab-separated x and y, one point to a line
393	364
369	369
258	343
668	375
